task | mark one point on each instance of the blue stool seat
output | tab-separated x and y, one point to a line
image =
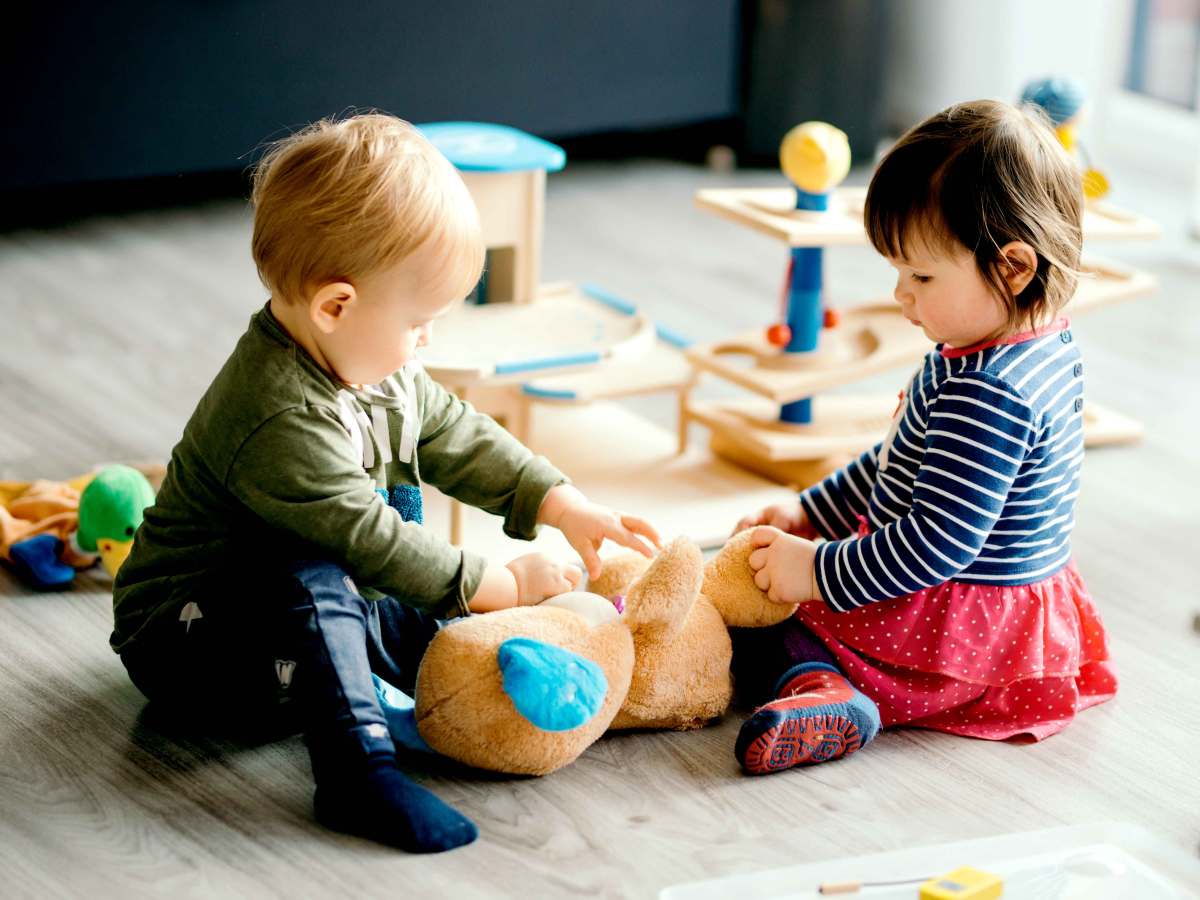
485	147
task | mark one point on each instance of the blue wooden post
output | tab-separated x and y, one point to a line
805	313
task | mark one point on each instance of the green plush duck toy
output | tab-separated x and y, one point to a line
110	511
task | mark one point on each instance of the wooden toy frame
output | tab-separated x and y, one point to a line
871	338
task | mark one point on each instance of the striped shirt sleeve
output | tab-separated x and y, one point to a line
834	505
979	432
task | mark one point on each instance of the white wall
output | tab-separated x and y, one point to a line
944	51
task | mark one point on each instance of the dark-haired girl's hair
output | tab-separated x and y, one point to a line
975	177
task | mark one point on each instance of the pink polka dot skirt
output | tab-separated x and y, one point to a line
976	660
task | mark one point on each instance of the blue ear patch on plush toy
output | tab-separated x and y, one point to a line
553	688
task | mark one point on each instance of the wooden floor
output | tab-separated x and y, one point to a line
113	327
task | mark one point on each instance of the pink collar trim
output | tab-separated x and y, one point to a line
1056	325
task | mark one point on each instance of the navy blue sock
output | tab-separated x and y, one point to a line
372	798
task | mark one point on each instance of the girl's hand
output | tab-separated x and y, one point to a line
538	577
790	518
586	526
783	566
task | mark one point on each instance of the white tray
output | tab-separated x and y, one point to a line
1086	862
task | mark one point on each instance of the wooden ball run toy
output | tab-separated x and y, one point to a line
791	431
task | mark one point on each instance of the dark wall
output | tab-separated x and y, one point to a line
815	59
129	90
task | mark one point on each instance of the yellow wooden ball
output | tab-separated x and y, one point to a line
815	156
1095	184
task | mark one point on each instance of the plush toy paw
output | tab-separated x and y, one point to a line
729	584
681	646
662	597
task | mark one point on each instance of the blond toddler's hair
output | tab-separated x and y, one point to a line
341	200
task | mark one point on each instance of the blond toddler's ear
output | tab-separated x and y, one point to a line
729	584
327	306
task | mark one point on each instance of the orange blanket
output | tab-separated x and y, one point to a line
29	508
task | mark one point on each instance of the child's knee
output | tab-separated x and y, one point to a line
324	583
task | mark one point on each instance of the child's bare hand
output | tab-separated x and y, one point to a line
587	525
538	577
790	518
783	565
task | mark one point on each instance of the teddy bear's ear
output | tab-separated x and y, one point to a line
663	596
729	584
617	574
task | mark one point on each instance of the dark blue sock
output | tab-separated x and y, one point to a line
372	798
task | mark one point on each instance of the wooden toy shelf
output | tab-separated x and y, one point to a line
773	212
561	329
872	338
518	344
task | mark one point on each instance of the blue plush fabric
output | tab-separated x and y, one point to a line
36	559
553	688
406	500
400	712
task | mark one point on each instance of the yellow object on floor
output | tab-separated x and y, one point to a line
964	883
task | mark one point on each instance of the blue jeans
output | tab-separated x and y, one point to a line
289	649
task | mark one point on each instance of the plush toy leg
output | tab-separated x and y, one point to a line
399	710
37	560
553	688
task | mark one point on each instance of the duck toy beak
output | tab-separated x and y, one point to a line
113	554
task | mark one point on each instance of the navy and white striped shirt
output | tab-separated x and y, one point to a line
976	482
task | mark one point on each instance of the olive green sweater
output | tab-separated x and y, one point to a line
282	461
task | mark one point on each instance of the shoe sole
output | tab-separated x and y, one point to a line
801	741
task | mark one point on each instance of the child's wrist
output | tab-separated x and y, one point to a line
557	501
520	594
499	589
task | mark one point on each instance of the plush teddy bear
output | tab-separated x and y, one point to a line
527	690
